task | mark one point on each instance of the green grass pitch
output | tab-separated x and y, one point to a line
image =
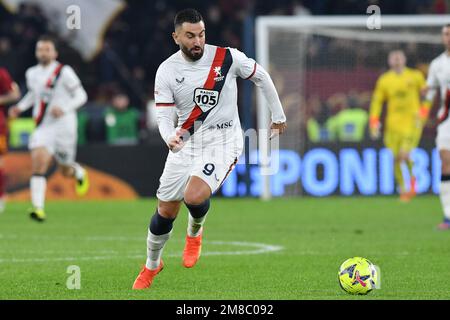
282	249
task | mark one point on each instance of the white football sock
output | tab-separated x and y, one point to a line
195	225
38	185
444	194
79	171
155	246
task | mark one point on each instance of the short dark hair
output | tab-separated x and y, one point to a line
49	38
187	15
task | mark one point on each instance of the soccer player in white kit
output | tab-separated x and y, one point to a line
439	79
198	83
55	92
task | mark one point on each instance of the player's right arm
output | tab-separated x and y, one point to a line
430	90
25	103
432	82
165	110
426	104
376	106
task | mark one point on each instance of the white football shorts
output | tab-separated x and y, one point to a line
60	140
443	135
213	166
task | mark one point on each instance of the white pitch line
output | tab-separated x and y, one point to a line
259	248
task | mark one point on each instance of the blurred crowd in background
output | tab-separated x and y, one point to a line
119	81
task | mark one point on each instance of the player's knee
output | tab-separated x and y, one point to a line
66	171
445	168
445	163
40	163
169	212
195	198
40	167
403	156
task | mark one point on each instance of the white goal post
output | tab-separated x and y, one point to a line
344	27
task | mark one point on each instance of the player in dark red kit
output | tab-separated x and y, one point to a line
9	92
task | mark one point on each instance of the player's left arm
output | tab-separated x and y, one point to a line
249	69
72	85
376	107
428	90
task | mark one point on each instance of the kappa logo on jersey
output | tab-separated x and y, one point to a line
62	155
218	72
180	81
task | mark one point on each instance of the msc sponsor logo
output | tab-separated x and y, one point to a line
221	126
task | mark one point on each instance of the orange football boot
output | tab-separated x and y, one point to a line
412	189
408	195
405	196
146	276
192	250
445	225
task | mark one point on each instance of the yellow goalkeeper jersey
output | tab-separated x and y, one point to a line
401	92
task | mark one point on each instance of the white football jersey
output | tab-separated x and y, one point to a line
439	79
52	85
204	92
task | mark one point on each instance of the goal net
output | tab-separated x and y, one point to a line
324	65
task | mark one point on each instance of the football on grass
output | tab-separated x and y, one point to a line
358	276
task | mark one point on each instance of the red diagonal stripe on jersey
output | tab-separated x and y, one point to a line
209	84
49	84
217	62
42	107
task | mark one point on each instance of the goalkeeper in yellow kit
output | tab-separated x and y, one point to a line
400	88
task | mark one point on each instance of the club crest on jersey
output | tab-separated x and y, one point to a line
218	72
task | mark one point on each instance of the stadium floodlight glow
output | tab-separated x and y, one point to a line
283	41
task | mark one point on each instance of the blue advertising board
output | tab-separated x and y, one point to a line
344	171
